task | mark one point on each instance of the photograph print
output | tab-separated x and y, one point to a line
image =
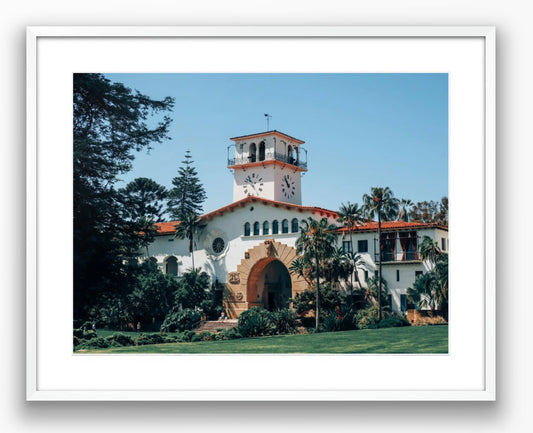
251	213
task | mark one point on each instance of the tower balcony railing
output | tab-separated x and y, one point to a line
269	156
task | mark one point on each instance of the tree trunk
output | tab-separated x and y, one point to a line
317	286
380	258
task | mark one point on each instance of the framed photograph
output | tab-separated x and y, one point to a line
274	131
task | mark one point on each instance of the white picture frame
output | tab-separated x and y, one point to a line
54	373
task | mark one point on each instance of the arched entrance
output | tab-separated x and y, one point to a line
262	279
269	284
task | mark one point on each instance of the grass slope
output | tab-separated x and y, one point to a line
415	339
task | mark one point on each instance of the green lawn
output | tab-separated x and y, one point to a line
412	339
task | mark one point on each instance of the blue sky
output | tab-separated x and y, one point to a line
361	130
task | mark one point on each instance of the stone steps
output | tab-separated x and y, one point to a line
213	325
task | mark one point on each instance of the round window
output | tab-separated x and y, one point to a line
218	245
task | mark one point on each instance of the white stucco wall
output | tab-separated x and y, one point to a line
230	227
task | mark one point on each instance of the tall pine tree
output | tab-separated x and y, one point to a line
188	194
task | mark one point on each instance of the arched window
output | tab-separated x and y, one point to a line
247	229
171	266
252	153
285	226
265	228
262	151
256	229
294	225
275	227
289	154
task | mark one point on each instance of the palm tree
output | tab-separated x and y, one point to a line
405	203
355	261
429	250
301	268
350	215
316	242
380	201
188	228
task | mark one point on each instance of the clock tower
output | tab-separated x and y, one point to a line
269	165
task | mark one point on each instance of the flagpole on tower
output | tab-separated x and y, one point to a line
268	116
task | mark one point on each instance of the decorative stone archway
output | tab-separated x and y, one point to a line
241	289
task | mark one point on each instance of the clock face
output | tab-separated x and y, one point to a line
288	186
253	184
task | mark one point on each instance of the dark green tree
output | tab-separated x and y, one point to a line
187	194
430	212
380	202
351	215
144	203
109	124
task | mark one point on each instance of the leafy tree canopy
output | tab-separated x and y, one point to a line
109	124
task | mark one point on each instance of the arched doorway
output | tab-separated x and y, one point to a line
269	284
245	285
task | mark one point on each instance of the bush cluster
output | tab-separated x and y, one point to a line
393	322
258	321
181	319
428	321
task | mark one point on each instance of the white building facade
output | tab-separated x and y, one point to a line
248	246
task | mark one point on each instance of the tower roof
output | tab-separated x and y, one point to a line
262	134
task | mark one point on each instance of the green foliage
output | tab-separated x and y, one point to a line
368	318
145	339
195	338
255	322
152	297
393	322
430	290
109	125
95	343
121	339
78	333
193	289
330	299
430	212
188	194
230	334
285	320
181	319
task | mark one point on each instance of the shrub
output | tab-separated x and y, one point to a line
89	335
121	340
255	322
428	321
285	321
368	318
331	323
78	333
77	341
188	335
229	334
145	339
181	320
393	322
195	338
94	343
206	336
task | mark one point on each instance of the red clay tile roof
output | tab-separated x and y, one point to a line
168	228
392	225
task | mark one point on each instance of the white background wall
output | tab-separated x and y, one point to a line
515	69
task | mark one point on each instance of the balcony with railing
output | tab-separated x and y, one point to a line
397	248
269	156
